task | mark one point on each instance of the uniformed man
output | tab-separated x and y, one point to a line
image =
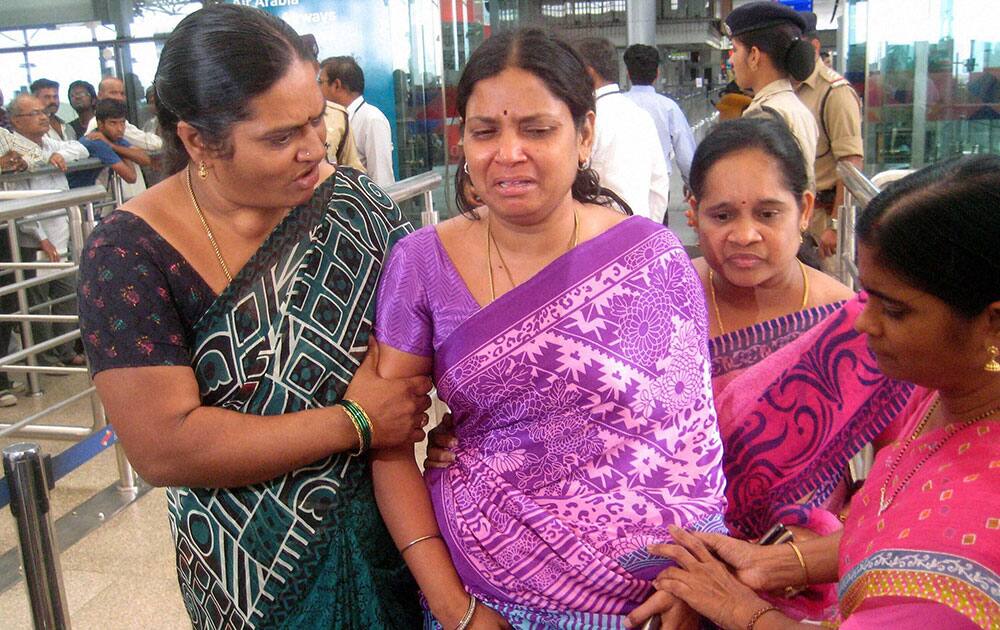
768	53
340	147
837	109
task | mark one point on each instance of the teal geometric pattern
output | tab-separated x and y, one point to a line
307	549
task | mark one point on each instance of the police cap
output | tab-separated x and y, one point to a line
758	15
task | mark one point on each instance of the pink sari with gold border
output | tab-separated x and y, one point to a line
931	558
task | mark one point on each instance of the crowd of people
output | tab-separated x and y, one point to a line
33	137
634	437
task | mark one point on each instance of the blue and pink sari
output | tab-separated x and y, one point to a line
583	409
797	397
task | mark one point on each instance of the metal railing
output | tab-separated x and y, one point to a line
858	192
422	185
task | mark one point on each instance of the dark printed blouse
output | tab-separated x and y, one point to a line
139	298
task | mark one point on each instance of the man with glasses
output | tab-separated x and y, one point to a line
47	239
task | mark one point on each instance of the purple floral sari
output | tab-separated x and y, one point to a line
584	414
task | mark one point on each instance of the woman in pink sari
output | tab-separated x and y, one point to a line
569	341
797	391
921	546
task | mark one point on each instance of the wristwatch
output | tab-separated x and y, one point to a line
834	223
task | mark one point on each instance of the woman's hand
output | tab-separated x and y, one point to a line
674	613
704	582
743	558
440	441
395	406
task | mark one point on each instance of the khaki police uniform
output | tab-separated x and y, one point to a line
340	147
778	98
837	110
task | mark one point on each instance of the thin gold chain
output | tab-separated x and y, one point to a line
208	230
883	501
489	254
715	303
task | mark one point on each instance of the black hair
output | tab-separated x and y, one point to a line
763	134
560	68
642	62
784	46
346	69
43	84
599	54
109	108
85	85
216	60
938	230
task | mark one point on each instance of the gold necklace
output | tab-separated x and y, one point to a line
715	303
883	501
489	254
208	230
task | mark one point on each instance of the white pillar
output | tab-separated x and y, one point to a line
640	16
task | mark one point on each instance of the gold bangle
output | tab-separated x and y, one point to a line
417	540
802	561
757	615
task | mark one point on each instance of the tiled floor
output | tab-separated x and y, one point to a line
122	576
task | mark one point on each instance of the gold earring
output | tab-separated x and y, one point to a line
992	365
202	170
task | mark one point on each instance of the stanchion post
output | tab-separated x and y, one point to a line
28	476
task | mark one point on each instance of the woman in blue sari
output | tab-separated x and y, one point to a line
226	312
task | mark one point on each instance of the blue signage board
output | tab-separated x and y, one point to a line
798	5
360	28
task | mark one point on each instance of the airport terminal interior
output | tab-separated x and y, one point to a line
926	74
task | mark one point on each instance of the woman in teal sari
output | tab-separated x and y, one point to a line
226	312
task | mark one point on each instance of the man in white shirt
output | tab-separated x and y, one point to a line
47	239
626	153
114	88
369	126
47	91
643	64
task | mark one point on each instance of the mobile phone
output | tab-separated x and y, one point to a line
777	535
653	623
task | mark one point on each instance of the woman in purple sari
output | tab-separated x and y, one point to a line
569	341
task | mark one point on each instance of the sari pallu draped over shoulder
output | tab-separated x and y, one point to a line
797	397
585	421
932	557
307	549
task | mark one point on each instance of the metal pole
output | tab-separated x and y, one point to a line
34	384
429	216
29	482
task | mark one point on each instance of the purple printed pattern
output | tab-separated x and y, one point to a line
586	425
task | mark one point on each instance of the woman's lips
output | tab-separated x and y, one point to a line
310	178
512	186
744	261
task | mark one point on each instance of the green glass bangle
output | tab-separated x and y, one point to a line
361	422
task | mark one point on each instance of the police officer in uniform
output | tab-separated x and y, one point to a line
769	53
837	109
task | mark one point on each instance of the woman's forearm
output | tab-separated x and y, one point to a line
406	508
782	566
212	447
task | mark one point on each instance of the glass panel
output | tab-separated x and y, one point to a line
933	79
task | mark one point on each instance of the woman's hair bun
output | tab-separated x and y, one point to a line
800	59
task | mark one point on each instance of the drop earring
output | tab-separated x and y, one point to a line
992	365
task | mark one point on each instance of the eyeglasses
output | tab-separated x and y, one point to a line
34	112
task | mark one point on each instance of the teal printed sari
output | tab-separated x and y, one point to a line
307	549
